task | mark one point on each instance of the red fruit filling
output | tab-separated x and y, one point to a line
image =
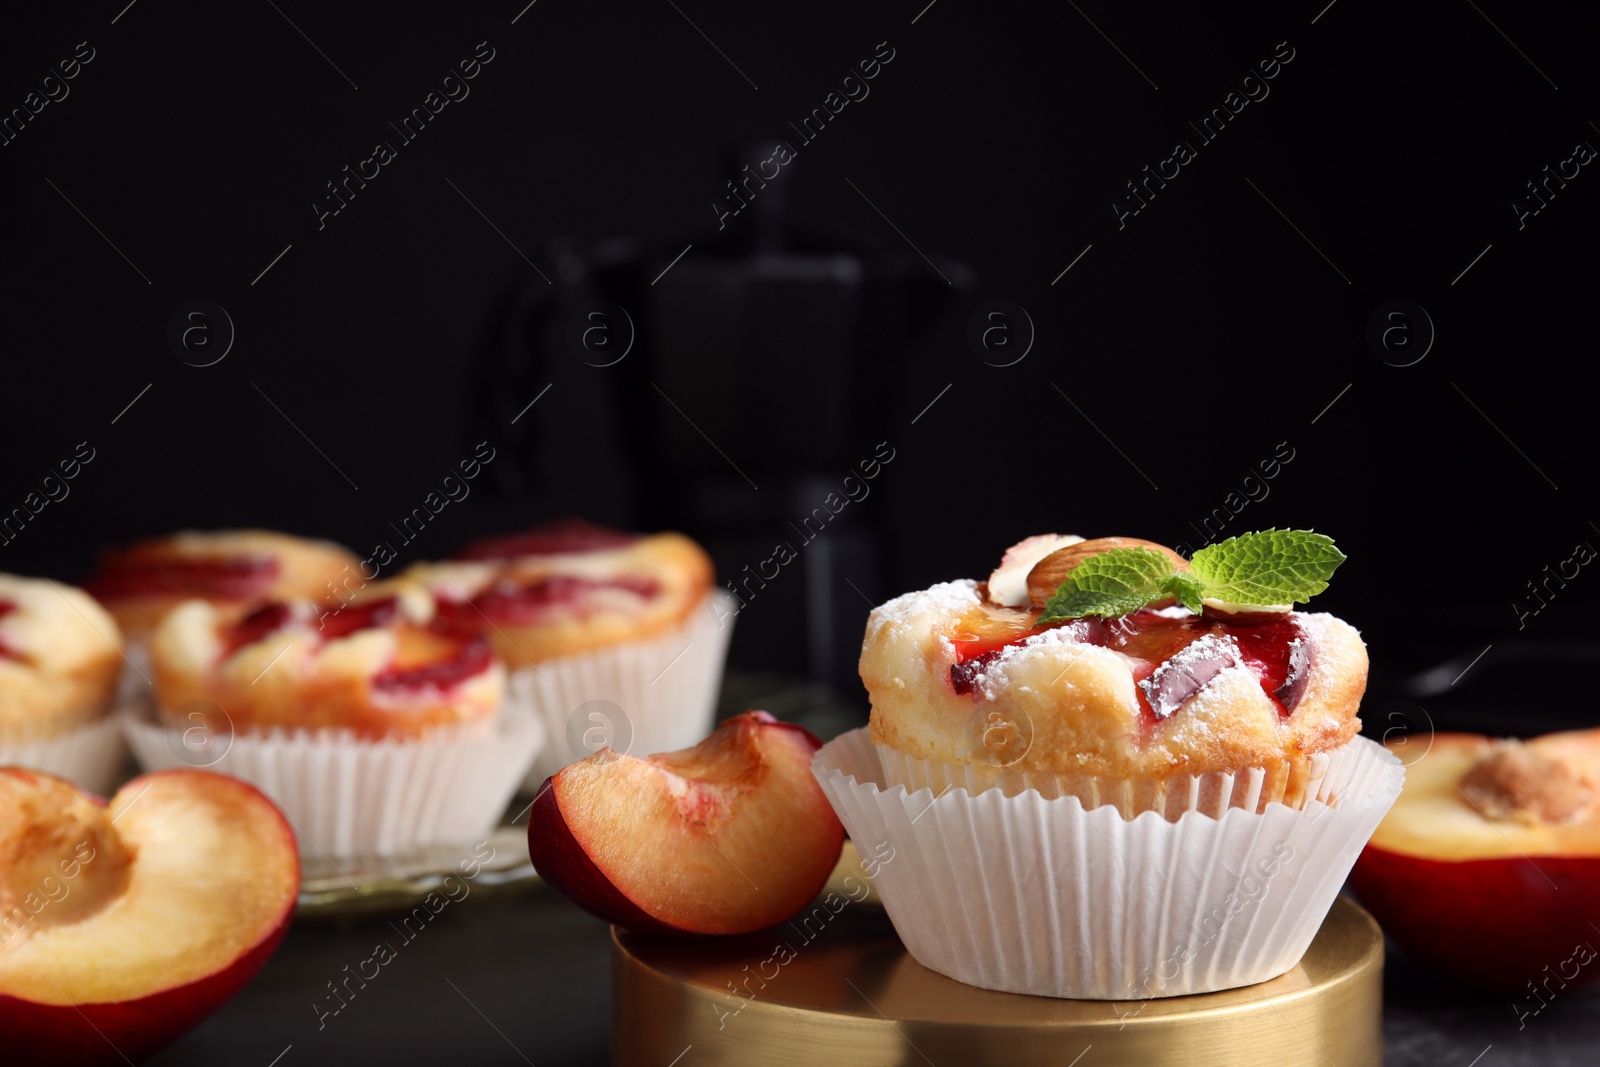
264	620
964	673
1168	672
472	657
6	651
450	652
548	539
507	600
352	617
219	577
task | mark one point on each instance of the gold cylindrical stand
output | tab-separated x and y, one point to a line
850	996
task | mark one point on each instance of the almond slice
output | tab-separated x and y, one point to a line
1048	574
1008	585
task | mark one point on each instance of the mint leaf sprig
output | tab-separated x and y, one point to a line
1118	582
1266	569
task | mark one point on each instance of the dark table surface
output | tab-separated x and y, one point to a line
526	981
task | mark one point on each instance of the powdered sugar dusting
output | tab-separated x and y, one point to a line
1220	698
1294	682
1188	672
945	600
993	680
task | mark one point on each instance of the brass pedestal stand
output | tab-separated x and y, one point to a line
850	996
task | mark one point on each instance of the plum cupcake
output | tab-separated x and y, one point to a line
376	727
1112	773
233	570
60	658
611	638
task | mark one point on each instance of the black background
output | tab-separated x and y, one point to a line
1197	338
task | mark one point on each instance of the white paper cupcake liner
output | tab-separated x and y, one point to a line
665	690
351	797
133	684
91	754
1029	894
1292	783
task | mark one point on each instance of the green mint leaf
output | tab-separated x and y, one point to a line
1268	567
1187	589
1113	583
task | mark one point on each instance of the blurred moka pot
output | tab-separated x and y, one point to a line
752	375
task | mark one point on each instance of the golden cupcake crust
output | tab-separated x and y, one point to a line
60	656
302	667
233	569
1066	707
544	607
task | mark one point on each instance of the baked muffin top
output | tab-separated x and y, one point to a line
993	673
233	569
388	667
60	656
591	590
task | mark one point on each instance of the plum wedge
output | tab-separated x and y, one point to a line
726	837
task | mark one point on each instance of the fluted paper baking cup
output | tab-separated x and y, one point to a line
1294	783
1029	894
350	797
133	684
91	754
647	696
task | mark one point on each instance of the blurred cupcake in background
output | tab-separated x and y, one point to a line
611	638
376	727
233	570
60	659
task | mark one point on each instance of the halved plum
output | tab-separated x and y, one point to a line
122	925
1489	868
